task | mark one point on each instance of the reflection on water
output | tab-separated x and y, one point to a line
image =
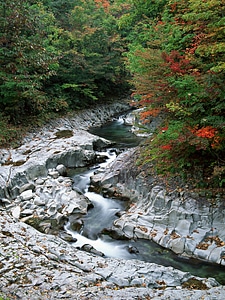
117	132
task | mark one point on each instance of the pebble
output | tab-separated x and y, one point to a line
16	212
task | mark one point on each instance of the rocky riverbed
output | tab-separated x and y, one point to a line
179	220
40	266
35	193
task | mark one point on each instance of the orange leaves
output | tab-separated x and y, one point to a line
163	129
104	3
205	132
166	147
146	99
201	138
206	137
151	112
173	7
158	25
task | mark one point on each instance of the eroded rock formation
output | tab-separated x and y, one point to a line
177	220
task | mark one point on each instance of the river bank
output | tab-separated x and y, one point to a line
178	220
34	186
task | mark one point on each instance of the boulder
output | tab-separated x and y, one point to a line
27	186
16	212
26	195
62	170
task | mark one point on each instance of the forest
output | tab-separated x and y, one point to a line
168	56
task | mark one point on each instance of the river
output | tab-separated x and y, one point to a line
104	212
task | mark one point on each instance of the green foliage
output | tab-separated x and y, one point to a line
91	66
25	62
4	297
87	92
61	55
138	10
189	88
57	55
8	133
61	9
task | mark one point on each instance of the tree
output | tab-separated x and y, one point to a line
91	65
25	60
61	10
190	91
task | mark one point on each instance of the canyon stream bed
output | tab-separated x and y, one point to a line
104	210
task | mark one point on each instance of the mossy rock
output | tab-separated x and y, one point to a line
63	134
194	284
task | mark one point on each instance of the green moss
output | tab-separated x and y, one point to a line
194	284
64	134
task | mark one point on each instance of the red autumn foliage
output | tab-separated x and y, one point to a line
104	3
177	63
166	147
205	132
173	7
158	25
197	39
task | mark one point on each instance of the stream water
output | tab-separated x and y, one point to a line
104	211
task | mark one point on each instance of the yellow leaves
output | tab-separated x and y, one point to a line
204	6
166	231
176	107
142	228
218	170
174	235
153	233
213	49
90	30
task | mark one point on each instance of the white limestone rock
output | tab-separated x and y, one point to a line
27	195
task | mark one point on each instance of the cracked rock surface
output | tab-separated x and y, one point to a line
39	266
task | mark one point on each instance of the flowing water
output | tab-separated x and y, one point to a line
104	211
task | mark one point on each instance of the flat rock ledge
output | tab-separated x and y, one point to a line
39	266
178	221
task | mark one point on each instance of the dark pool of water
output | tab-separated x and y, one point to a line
117	132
